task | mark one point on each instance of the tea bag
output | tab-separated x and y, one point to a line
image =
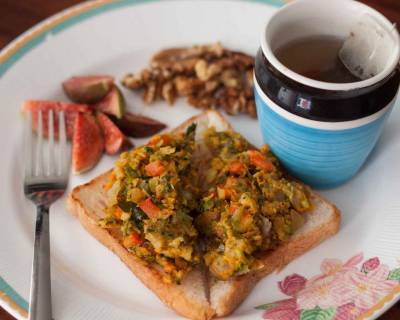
366	50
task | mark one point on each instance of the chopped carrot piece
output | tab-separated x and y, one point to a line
117	212
155	168
132	240
165	138
236	167
233	209
150	208
257	159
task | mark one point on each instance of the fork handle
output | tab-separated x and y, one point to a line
40	295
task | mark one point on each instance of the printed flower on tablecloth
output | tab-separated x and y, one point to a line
343	291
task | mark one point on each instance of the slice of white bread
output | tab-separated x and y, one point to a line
193	298
88	202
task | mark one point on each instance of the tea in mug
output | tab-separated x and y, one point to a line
316	58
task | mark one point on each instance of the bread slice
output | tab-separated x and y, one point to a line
87	202
198	297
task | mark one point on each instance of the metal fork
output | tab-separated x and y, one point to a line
45	181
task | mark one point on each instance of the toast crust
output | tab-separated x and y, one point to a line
223	296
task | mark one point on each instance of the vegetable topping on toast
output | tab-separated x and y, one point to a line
150	202
249	207
245	204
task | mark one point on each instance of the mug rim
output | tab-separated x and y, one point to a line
267	51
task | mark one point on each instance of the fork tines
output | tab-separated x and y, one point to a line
38	162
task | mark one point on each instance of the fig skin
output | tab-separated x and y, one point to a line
88	89
138	126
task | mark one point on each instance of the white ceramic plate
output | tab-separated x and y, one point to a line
88	281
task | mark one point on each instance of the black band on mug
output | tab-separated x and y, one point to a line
320	104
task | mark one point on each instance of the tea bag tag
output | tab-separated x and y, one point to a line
364	52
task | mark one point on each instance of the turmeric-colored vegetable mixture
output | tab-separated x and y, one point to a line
151	202
249	206
244	204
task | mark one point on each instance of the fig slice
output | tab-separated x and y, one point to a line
87	143
88	89
113	103
138	126
114	140
71	110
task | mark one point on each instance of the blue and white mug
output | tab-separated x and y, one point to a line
322	132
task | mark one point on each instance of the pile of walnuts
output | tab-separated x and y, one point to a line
209	76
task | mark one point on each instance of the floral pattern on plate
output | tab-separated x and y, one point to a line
343	291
